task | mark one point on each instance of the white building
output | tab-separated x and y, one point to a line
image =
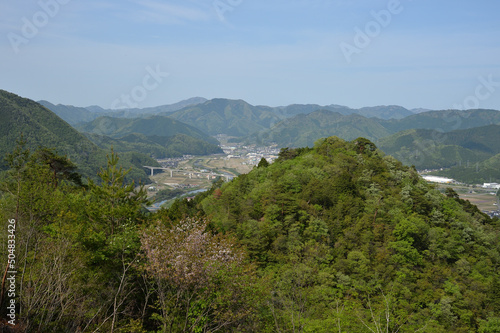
491	185
436	179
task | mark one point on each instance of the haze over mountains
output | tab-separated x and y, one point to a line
154	125
305	129
341	217
426	139
74	115
157	136
241	119
430	149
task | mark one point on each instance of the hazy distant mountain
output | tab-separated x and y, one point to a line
384	112
232	117
71	114
96	109
224	116
241	119
296	109
42	127
445	121
154	125
304	130
429	149
484	139
75	115
176	106
135	112
419	110
238	118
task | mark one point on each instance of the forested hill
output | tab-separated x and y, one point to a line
352	239
433	149
334	238
157	146
150	126
486	171
381	111
38	124
445	120
41	127
240	119
75	115
305	129
232	117
158	136
71	114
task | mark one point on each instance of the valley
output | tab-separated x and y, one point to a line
233	166
341	219
198	173
484	199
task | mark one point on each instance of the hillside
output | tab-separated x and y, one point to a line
445	120
334	238
292	133
231	117
150	126
381	112
238	118
429	149
297	109
41	127
76	115
304	130
487	171
132	113
157	146
224	116
384	112
71	114
350	237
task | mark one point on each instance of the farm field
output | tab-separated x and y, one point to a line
483	198
197	173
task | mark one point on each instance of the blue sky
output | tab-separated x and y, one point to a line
436	54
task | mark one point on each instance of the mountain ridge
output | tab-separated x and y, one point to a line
285	133
71	115
152	125
76	115
41	127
